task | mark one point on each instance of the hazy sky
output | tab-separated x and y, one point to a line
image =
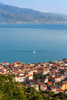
57	6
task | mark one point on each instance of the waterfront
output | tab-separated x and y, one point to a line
42	76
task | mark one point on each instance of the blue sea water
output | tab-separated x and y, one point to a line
17	42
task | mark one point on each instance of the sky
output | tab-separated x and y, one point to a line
54	6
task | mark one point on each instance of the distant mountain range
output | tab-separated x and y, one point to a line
12	14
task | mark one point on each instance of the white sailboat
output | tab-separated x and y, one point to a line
34	51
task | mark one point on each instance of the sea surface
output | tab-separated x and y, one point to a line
17	42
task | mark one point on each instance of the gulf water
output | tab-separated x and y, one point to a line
17	42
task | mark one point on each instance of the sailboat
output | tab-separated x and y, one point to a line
34	51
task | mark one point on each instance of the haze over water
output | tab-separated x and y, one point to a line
17	42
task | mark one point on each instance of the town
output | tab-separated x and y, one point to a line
51	76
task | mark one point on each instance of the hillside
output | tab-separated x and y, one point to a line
11	14
10	90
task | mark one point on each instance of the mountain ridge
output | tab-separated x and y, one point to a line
12	14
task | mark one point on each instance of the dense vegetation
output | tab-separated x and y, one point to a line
11	90
14	14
